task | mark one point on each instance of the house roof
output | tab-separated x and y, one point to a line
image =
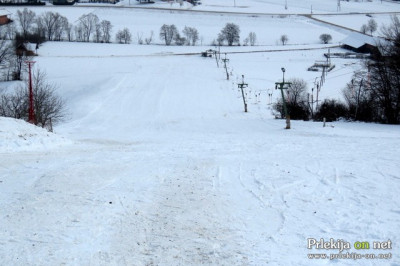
4	12
27	46
357	40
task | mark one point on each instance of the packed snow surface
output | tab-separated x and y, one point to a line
158	164
17	135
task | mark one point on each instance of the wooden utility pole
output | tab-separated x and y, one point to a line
216	58
226	68
283	86
242	86
31	112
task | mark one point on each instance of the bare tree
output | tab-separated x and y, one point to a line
6	49
88	24
220	40
297	105
68	31
230	33
98	34
48	105
40	29
128	35
358	98
106	28
168	33
191	34
48	20
26	19
10	31
79	33
384	75
325	38
392	32
364	28
252	38
372	26
60	28
284	39
14	105
297	91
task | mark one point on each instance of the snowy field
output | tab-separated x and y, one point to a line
141	22
355	22
278	6
157	164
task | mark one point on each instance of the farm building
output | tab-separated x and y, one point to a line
27	49
361	43
4	17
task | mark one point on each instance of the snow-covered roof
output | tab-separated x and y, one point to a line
30	46
357	40
4	12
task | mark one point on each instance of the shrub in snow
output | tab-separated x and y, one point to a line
325	38
332	110
48	106
149	39
179	40
284	39
296	101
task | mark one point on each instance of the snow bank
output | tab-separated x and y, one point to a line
18	135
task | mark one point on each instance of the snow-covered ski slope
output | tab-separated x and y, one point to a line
158	164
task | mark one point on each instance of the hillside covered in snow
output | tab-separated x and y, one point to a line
158	164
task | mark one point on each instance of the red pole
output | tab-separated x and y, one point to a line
31	117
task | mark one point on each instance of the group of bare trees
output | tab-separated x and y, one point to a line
370	27
52	26
170	34
124	36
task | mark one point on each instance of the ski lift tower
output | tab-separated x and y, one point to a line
31	113
284	86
